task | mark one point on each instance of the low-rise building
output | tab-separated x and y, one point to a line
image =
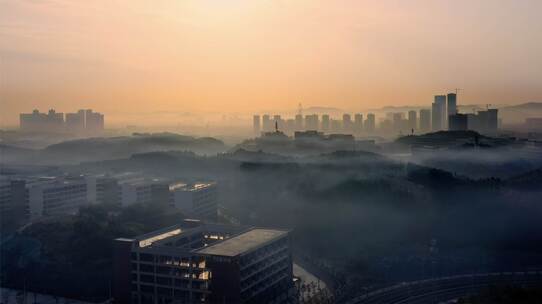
55	196
199	200
204	263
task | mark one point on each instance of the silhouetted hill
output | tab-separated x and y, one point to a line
530	180
9	153
525	106
101	148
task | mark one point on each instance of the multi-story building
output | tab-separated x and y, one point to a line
347	123
457	122
13	202
325	123
452	104
267	124
75	122
55	196
370	123
425	120
438	113
256	124
41	122
83	121
199	200
412	120
204	263
311	122
298	122
358	123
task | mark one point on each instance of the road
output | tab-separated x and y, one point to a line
447	288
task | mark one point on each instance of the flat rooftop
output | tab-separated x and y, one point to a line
243	242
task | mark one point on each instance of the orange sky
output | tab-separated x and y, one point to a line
129	57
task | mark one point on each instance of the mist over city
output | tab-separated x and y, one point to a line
296	152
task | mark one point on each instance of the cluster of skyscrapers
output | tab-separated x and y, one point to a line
81	122
312	122
443	115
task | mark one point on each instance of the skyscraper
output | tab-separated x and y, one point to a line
299	122
325	122
412	120
347	123
425	120
452	104
266	123
370	123
358	123
256	124
438	113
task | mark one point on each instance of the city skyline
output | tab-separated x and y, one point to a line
199	56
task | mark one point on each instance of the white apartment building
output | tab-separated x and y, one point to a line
199	200
53	196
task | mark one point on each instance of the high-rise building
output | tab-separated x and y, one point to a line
425	120
94	121
457	122
266	123
347	123
370	123
412	120
397	119
298	122
358	123
325	123
452	104
75	122
194	262
83	120
438	113
256	124
312	122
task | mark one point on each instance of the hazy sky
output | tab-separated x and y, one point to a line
129	56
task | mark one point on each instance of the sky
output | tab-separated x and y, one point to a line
131	58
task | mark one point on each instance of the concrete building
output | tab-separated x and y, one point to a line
75	122
347	124
84	121
198	200
298	122
267	125
425	120
438	113
412	120
13	202
204	263
458	122
55	196
452	104
370	123
94	122
325	123
41	122
486	122
312	122
358	123
256	127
